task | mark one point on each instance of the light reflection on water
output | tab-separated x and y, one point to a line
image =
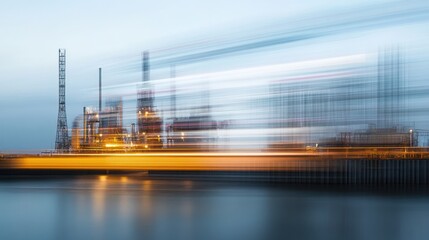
124	207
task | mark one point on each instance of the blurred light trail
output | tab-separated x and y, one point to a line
260	72
315	26
295	160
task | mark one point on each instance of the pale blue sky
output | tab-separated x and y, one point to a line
98	33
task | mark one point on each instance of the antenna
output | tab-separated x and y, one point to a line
62	142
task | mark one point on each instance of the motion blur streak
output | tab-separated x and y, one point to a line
309	84
297	160
163	161
336	22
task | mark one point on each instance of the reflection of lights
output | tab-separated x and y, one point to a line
99	200
188	184
146	146
124	179
147	185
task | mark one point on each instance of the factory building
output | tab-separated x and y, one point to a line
149	124
362	105
97	131
77	133
198	131
111	131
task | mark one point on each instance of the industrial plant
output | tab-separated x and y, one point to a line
344	108
102	130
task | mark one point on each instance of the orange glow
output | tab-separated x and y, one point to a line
147	185
110	145
210	161
124	179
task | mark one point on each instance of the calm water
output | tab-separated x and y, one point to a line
124	207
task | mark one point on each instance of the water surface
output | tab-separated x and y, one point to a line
141	207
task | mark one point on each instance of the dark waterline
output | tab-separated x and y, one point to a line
142	207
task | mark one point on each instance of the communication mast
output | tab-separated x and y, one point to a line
62	142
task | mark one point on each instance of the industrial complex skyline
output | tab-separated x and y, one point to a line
193	119
106	39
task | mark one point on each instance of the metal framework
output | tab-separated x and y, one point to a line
62	142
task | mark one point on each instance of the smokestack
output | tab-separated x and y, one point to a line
173	91
85	127
99	90
145	66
